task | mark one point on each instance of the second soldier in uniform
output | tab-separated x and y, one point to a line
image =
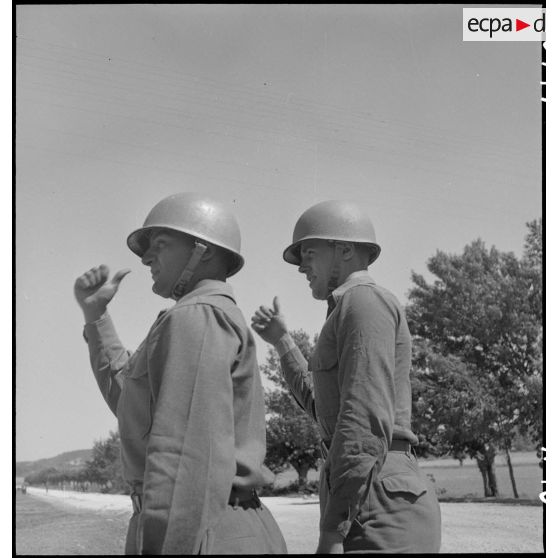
373	496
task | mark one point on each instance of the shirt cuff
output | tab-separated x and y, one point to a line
285	345
91	329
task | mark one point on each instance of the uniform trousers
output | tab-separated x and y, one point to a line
400	514
244	528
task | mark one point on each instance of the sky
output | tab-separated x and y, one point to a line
269	109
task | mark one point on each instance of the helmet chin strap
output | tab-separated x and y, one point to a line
179	289
333	281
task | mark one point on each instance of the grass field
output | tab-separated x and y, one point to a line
466	482
456	482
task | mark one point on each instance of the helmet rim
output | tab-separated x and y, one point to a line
200	215
334	220
290	253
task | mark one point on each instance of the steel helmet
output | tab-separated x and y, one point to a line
196	215
333	220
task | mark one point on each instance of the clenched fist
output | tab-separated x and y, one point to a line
269	323
93	290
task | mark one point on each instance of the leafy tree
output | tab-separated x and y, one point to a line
451	413
533	247
45	477
485	308
532	263
105	466
292	436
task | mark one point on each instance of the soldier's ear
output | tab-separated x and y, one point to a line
209	253
348	251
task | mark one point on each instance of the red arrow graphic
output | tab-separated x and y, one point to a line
519	25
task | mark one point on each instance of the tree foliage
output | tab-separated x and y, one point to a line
102	472
50	475
532	423
292	436
105	465
451	414
478	348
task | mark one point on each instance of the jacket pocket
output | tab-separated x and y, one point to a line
134	405
401	477
326	386
406	485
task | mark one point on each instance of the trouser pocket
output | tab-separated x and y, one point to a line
401	513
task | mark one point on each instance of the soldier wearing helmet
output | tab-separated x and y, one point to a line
189	401
373	496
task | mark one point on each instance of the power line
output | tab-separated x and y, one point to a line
229	90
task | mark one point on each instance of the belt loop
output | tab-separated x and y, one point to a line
136	502
255	499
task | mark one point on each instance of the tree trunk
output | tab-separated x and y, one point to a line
492	484
302	471
512	478
485	462
490	454
481	463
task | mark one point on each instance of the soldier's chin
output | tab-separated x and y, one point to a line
158	290
318	295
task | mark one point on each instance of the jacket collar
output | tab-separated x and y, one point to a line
209	287
354	279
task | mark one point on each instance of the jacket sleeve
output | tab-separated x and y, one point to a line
190	461
295	371
107	356
365	327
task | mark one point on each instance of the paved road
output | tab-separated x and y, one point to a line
75	523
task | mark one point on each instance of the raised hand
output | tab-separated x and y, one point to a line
269	323
94	291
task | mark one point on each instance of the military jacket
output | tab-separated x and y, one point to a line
361	393
190	411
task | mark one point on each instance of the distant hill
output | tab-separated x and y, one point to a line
67	461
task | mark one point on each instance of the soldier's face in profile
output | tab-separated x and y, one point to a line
168	253
316	260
